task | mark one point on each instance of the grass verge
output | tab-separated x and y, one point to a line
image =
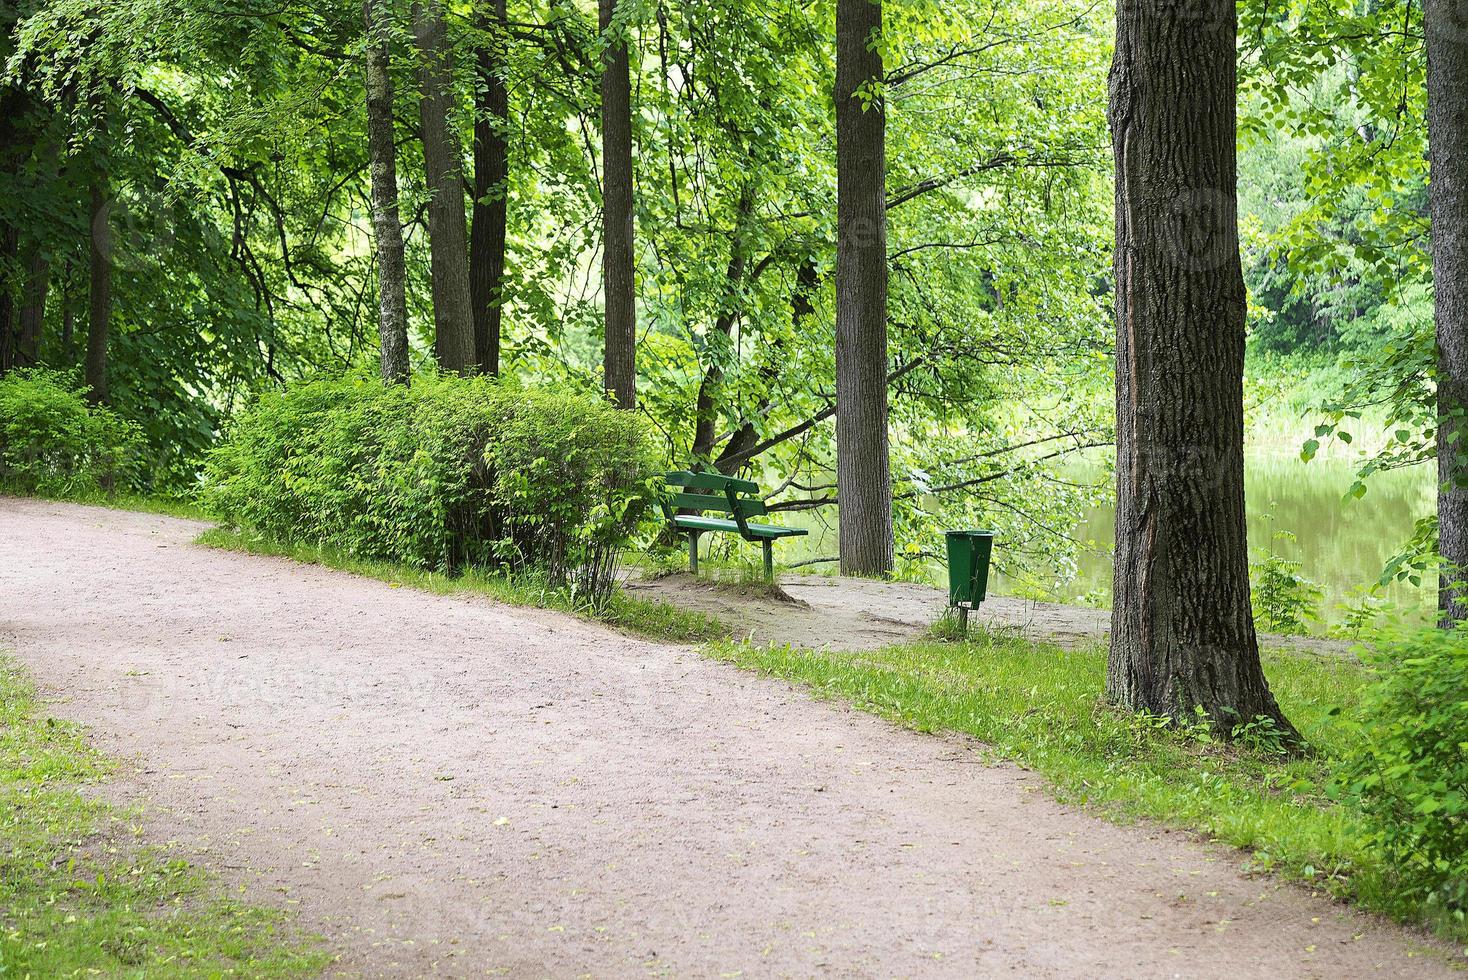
171	506
1040	706
642	617
80	897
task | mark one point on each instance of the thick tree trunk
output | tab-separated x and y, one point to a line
68	315
1182	636
1446	22
443	170
618	285
491	170
14	148
99	298
863	475
392	305
33	308
37	282
9	329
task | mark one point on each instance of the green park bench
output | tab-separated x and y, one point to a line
725	495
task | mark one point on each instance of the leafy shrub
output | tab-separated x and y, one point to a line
448	473
1408	767
1283	600
54	442
571	482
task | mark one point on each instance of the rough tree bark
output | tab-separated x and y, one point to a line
37	282
68	314
863	475
9	333
14	148
618	285
392	305
453	321
33	307
1446	22
1182	636
491	169
99	292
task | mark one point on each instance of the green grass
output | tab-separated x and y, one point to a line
79	896
1041	706
641	617
171	506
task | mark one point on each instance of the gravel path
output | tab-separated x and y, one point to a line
452	787
838	613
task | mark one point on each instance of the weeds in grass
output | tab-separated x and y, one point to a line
947	628
644	617
79	896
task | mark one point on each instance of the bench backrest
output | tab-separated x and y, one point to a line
713	492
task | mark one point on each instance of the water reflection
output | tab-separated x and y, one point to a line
1342	544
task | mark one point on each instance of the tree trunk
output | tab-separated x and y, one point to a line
68	314
443	170
33	308
618	285
1446	22
14	148
392	306
9	331
99	299
863	475
491	170
1182	635
37	281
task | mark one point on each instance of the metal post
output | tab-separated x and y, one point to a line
769	559
963	620
693	552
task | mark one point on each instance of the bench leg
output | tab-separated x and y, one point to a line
769	559
693	552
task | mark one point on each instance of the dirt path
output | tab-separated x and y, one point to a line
836	613
450	787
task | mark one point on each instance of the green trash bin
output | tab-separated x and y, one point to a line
968	570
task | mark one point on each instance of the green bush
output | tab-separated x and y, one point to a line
1408	766
54	442
1283	600
447	473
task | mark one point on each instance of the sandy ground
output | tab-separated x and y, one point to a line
831	612
444	786
835	613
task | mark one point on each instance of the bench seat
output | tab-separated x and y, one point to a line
690	494
693	523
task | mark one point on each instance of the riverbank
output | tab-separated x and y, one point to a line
821	612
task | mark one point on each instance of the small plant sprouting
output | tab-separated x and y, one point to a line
1283	600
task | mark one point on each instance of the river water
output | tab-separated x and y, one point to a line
1301	512
1297	509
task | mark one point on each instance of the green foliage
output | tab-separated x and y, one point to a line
1283	600
1408	766
448	473
572	481
236	152
53	442
113	907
